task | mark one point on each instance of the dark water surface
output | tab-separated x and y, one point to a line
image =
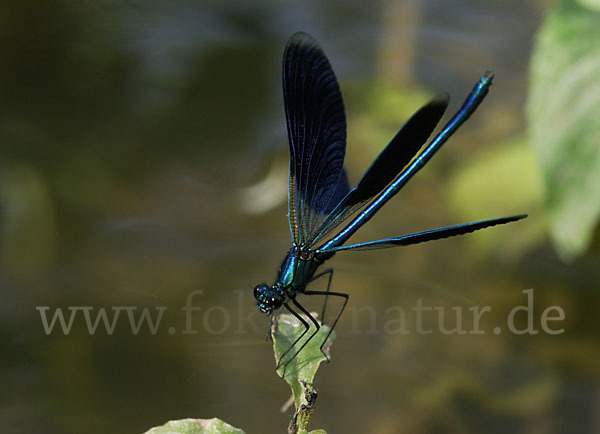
144	157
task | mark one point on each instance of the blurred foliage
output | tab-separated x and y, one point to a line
590	4
28	231
564	112
512	183
385	106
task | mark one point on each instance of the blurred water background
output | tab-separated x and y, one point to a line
144	157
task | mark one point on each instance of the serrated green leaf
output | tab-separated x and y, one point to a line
301	369
195	426
564	112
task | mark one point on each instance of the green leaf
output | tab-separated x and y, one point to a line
563	112
301	369
195	426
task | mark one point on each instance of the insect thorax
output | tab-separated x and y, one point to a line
296	270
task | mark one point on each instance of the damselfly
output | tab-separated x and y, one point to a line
319	197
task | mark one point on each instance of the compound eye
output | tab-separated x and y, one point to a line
260	289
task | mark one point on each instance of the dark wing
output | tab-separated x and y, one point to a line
341	190
475	97
316	126
397	154
430	235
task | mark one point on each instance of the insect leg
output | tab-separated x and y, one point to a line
328	272
339	314
306	327
317	328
